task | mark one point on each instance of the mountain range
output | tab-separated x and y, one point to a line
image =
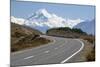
87	26
44	20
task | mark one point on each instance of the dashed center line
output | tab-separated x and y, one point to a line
56	48
47	51
29	57
59	47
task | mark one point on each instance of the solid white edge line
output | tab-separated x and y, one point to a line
75	52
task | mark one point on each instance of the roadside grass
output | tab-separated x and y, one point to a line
89	38
90	56
89	50
29	43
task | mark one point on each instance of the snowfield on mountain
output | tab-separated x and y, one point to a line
45	20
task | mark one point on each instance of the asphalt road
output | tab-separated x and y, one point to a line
59	51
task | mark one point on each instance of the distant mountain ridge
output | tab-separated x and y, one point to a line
87	26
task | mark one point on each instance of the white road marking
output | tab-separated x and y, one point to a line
75	52
60	46
47	51
56	48
29	57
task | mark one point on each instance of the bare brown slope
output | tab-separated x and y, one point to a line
23	37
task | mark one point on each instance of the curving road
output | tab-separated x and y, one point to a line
59	51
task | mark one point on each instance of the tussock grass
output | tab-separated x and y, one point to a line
90	39
27	43
90	56
23	37
89	51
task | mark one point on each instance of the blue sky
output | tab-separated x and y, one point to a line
24	9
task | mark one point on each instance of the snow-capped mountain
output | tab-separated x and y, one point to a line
87	26
19	21
43	20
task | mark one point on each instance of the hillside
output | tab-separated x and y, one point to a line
22	30
24	37
66	32
71	33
